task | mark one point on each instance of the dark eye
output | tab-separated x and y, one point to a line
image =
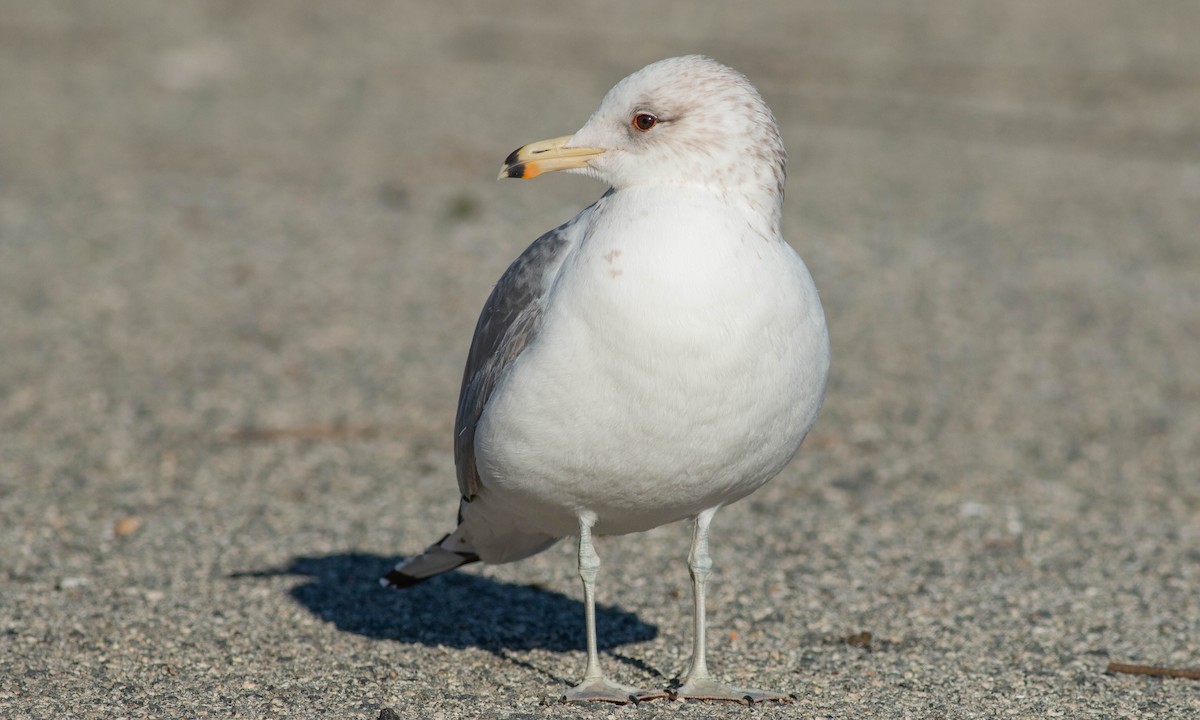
644	121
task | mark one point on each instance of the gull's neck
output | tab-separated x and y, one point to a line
761	205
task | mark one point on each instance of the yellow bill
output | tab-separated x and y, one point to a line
546	156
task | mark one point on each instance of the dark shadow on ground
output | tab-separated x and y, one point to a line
457	609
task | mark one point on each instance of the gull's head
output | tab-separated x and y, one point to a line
686	121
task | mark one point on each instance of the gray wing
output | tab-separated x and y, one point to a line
510	320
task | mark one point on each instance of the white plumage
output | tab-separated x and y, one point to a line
661	355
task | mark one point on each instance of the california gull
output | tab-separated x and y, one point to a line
658	357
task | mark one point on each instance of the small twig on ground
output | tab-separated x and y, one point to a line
1153	671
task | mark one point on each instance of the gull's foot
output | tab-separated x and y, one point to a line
709	689
602	690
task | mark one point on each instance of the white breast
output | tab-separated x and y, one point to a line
682	359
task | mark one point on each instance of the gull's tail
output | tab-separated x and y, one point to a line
444	555
482	534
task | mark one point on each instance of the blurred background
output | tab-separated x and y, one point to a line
242	250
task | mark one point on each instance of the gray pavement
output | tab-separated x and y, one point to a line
242	246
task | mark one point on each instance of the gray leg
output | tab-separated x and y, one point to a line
698	684
595	685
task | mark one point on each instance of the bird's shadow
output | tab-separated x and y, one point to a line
457	609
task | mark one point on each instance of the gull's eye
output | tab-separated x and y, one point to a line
644	121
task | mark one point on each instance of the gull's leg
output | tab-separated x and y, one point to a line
595	686
698	684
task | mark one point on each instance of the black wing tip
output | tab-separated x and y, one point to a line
399	580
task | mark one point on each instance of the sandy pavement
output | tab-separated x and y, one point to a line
242	249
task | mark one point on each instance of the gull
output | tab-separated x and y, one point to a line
661	355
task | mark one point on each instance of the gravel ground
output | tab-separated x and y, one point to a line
242	246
